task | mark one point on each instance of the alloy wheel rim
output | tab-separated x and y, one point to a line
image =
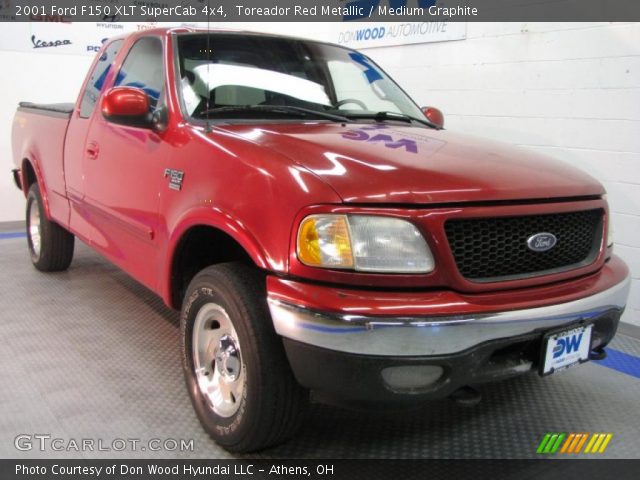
35	228
217	359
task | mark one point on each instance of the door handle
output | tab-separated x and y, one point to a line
93	150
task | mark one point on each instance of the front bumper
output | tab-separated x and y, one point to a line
344	352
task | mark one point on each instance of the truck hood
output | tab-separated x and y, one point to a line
389	163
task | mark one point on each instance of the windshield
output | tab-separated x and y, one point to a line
263	76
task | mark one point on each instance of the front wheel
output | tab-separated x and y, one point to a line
50	245
236	371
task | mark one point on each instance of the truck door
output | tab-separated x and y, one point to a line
124	169
75	139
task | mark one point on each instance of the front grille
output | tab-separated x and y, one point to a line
495	249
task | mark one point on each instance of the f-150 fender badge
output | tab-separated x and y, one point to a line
175	178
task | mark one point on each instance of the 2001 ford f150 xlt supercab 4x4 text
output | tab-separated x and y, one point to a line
317	229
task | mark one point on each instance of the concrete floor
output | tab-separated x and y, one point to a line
90	354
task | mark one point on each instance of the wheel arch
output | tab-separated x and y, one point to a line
28	175
201	242
31	174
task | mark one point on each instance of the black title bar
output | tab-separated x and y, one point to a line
189	11
319	469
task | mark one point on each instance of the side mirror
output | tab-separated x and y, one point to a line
126	106
434	115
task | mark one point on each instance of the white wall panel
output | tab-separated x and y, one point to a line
33	77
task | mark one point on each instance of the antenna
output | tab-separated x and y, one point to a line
208	126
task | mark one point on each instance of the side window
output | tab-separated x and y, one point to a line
96	80
143	69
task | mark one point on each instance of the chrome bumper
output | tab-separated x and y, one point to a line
425	336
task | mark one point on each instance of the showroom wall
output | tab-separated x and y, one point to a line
34	77
568	90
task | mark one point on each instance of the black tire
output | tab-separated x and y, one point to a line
270	404
50	245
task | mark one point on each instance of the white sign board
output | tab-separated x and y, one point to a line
86	38
386	34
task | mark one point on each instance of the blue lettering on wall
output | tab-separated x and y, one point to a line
374	33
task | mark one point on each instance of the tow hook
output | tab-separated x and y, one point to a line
466	396
598	353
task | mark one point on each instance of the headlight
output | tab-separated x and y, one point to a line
609	231
365	243
609	226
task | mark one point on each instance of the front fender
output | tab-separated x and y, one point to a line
220	220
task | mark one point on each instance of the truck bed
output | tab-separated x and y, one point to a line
38	134
57	109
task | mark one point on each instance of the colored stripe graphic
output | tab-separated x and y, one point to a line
583	439
576	443
572	443
556	445
543	443
551	443
577	439
604	445
598	443
570	439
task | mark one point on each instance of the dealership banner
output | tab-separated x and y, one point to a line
86	38
368	35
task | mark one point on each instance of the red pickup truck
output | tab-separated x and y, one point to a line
318	230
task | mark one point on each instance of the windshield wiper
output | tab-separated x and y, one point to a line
402	117
277	109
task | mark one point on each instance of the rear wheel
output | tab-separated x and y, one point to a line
50	245
236	371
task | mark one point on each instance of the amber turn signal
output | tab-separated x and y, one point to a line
324	241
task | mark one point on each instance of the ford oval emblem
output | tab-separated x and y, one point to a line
542	242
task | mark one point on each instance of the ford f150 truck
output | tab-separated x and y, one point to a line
318	230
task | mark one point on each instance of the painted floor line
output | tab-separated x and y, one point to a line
8	235
622	362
